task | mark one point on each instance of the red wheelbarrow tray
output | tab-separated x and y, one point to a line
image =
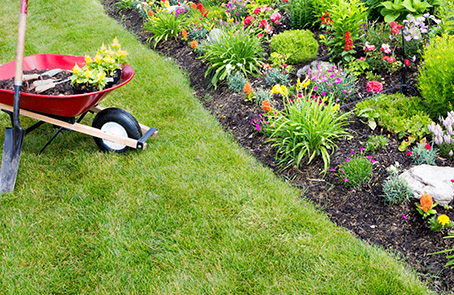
65	105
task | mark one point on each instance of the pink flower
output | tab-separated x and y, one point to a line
427	146
275	16
409	153
345	179
368	47
263	23
374	86
260	35
404	217
332	169
248	20
385	48
347	159
407	62
369	157
373	161
385	57
352	152
362	58
391	59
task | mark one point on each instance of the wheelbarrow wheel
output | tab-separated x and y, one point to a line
117	122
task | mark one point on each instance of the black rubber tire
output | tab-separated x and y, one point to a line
123	119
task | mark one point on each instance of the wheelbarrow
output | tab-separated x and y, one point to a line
113	129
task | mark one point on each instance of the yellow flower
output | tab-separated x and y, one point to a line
98	59
101	75
76	69
322	37
87	74
115	43
88	59
443	219
109	60
336	107
122	53
103	48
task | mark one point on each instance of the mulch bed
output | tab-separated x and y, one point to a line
360	210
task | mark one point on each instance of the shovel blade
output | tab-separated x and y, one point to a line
14	137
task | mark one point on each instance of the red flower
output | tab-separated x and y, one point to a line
248	20
428	146
407	62
348	41
385	57
263	23
409	153
325	20
362	58
260	35
391	59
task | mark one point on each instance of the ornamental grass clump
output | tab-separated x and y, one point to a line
436	76
163	26
356	170
306	128
395	189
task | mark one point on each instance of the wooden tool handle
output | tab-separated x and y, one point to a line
21	42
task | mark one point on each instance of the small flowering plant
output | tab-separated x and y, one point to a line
440	223
335	82
236	9
444	135
262	21
426	205
374	86
98	71
423	153
356	169
417	31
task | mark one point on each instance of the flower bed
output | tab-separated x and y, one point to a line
362	209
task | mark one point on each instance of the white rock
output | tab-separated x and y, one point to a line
434	180
215	35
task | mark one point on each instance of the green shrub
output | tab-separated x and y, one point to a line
297	45
355	171
236	82
424	154
261	95
301	13
306	128
376	142
163	26
396	113
236	51
445	12
395	189
436	76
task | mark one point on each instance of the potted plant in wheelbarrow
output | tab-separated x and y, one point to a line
101	71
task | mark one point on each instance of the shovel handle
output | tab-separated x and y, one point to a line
30	77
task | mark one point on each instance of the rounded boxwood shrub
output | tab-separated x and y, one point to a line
297	45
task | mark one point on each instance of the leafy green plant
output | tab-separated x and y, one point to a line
321	6
399	9
306	128
436	75
356	170
445	12
423	154
347	16
123	4
163	26
376	142
297	45
238	50
395	189
450	257
397	113
357	66
261	95
426	206
301	13
236	82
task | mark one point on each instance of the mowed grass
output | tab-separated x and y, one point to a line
192	214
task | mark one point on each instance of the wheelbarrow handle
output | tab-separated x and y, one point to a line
19	60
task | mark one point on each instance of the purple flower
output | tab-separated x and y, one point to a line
347	159
332	169
361	149
352	152
373	161
369	157
323	93
345	179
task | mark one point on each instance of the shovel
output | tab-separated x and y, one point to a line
49	73
14	136
48	85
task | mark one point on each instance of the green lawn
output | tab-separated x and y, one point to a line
192	214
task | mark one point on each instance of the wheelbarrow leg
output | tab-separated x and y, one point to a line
58	132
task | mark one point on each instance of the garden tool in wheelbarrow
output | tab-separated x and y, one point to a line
43	85
49	73
14	136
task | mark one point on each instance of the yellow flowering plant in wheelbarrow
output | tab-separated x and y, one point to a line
101	70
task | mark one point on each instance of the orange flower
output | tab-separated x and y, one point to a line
247	88
184	33
193	6
150	12
194	44
266	106
426	202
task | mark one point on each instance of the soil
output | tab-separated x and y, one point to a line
61	80
362	211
